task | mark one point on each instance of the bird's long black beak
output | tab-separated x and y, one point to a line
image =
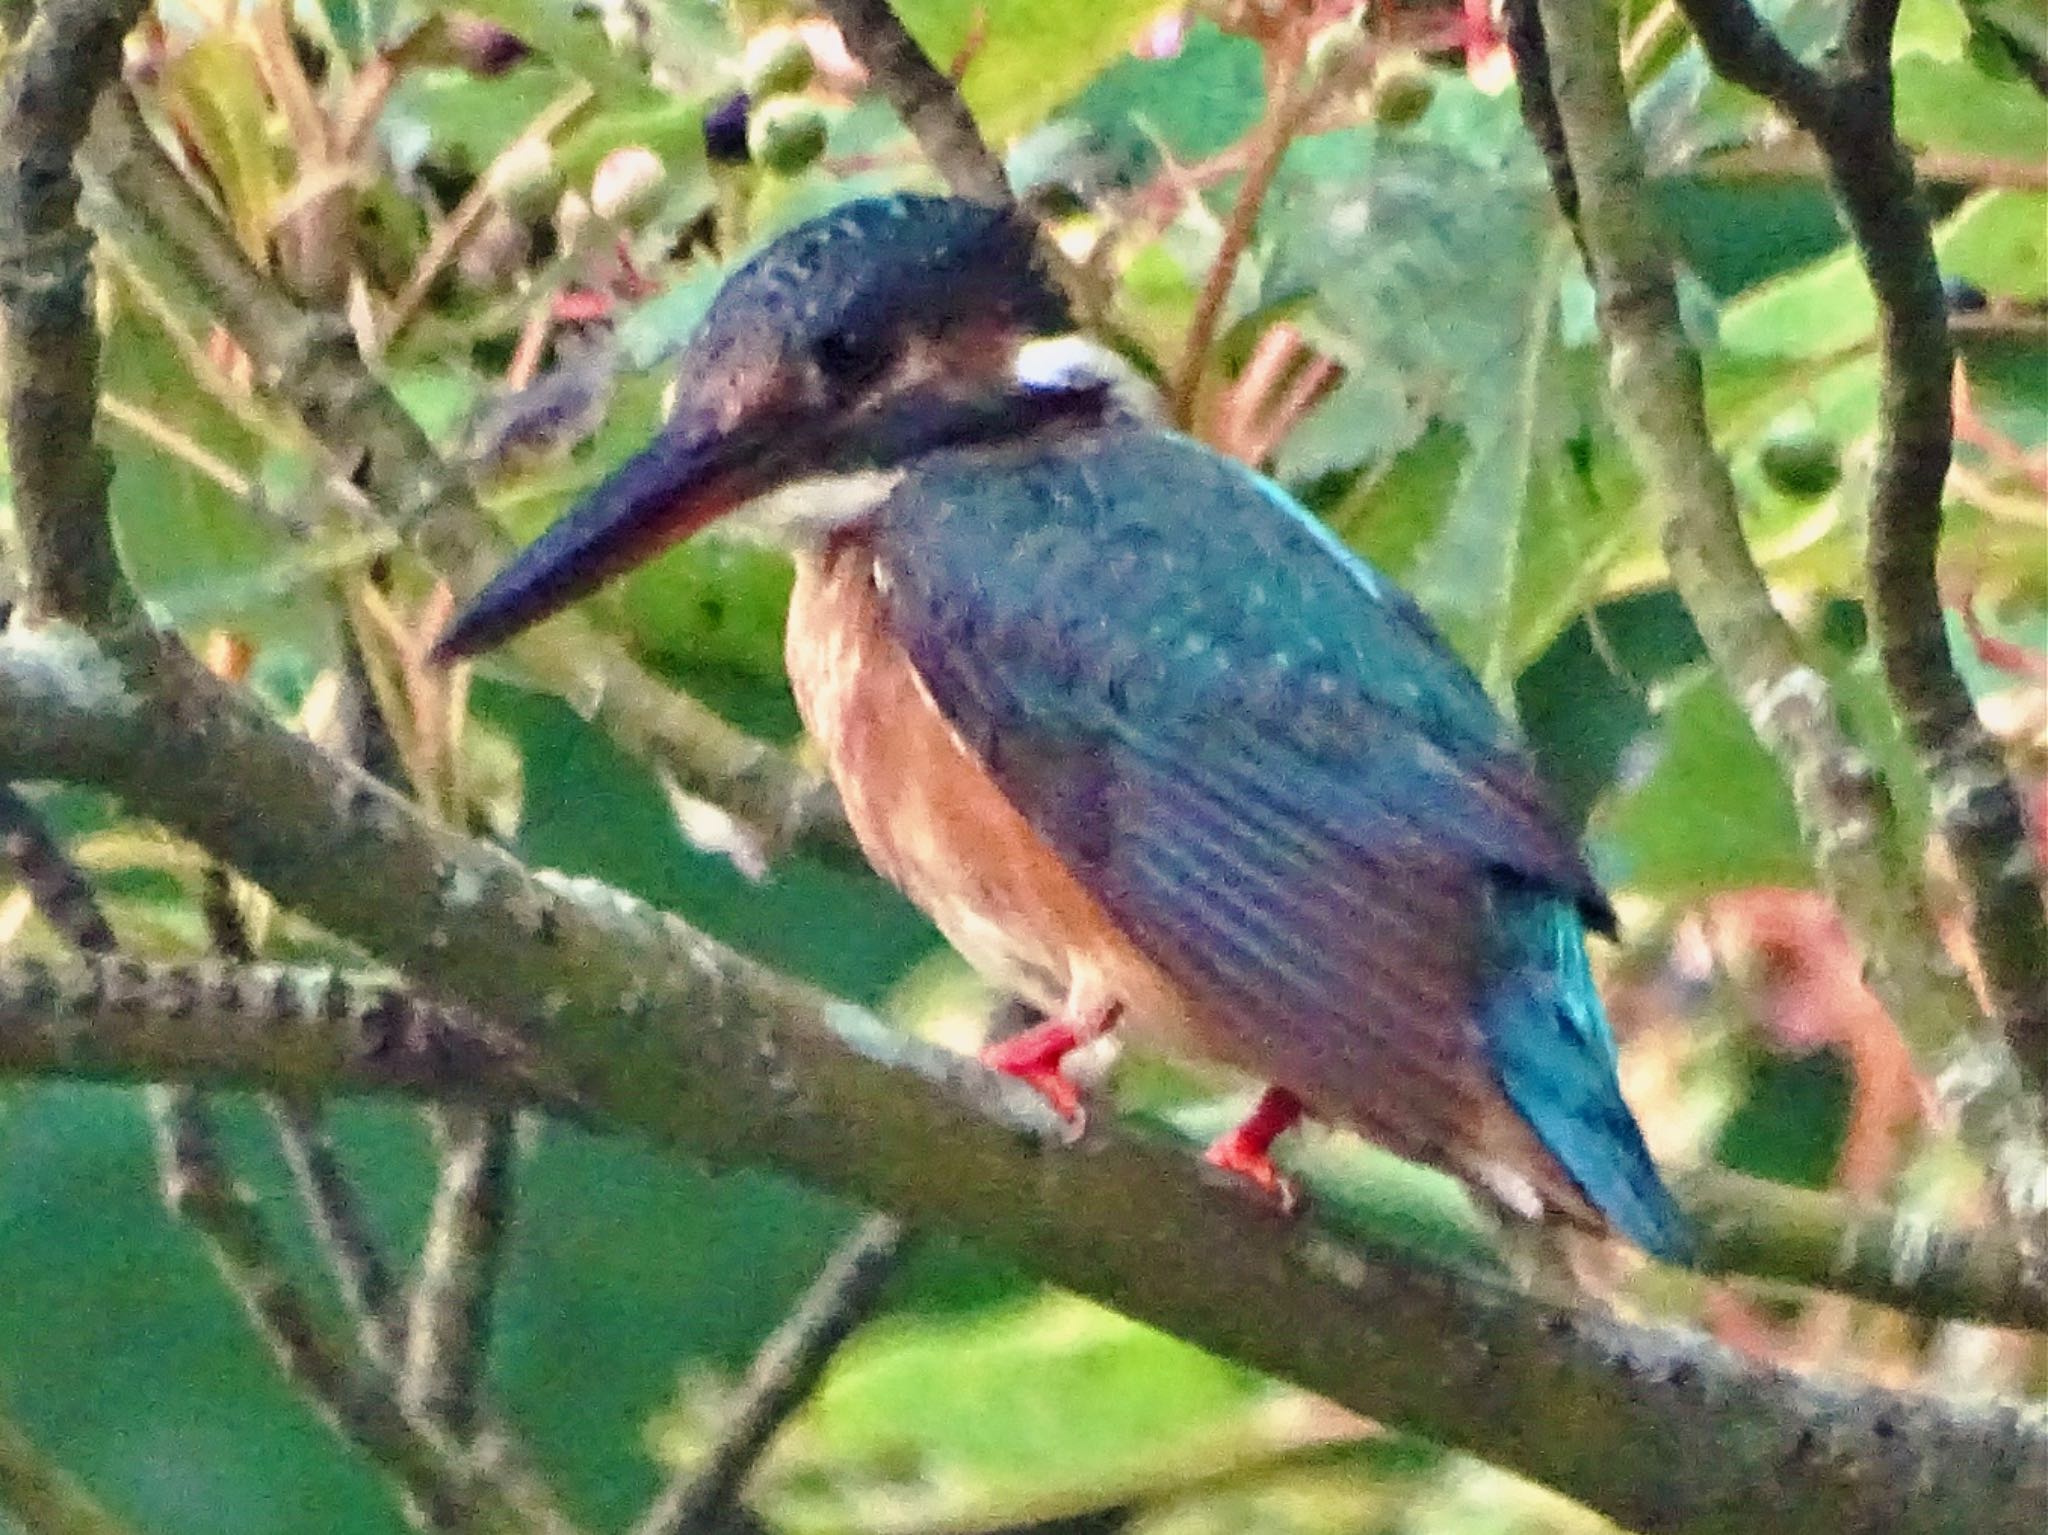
688	479
670	489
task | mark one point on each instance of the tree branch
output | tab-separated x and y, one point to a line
1975	808
49	343
657	1028
927	101
296	1031
1747	1227
1656	388
439	1492
1871	172
301	1030
1849	115
335	1213
1747	53
309	360
783	1375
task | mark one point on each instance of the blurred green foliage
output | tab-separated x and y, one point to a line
1465	447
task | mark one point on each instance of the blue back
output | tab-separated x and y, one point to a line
1268	767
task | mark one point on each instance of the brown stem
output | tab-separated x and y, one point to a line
924	97
1288	98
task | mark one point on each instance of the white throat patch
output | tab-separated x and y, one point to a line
804	513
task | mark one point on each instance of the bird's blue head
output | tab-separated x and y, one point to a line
842	351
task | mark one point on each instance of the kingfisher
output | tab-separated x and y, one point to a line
1152	748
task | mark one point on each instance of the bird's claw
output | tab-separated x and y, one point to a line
1052	1085
1246	1151
1033	1058
1233	1156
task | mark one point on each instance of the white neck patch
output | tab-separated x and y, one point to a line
1068	363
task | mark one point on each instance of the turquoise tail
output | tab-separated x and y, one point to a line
1554	1058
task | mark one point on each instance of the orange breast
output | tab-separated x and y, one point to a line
933	821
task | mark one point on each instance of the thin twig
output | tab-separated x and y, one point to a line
454	231
57	886
43	1498
1849	115
782	1376
924	97
1289	94
334	1209
438	1491
49	343
448	1314
1788	158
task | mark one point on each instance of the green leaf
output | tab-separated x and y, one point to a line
988	1418
1028	56
1956	107
217	97
1708	810
1999	242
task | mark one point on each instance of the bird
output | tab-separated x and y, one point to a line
1153	749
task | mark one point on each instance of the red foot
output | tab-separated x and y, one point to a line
1034	1057
1244	1151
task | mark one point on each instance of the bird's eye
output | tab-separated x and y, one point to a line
847	361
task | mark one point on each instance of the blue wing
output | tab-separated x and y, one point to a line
1261	759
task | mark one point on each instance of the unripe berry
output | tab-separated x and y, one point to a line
785	135
1800	462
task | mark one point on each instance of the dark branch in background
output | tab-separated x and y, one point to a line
784	1373
49	343
55	885
927	101
1658	397
1848	113
304	1030
290	1030
310	361
198	1187
334	1210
